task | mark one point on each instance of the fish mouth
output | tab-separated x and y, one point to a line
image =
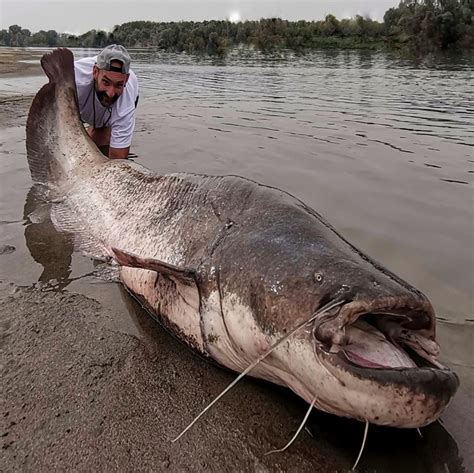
392	332
387	348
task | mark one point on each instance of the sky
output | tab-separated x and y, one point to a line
76	16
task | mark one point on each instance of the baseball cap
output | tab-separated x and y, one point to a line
111	53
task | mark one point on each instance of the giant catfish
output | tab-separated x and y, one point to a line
231	266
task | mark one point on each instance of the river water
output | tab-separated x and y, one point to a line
382	146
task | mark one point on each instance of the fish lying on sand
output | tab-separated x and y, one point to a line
241	272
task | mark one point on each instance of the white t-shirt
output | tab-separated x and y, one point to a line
120	116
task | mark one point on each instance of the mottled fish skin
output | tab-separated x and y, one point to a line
243	264
6	249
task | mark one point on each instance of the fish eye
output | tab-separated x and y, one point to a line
318	277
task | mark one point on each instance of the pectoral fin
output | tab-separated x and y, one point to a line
128	259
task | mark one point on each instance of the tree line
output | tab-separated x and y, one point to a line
421	25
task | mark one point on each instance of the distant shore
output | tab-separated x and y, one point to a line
421	27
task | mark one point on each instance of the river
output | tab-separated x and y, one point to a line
382	146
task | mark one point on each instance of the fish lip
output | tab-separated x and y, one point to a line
419	394
438	383
417	310
403	397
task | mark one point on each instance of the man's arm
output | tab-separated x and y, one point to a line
120	136
101	137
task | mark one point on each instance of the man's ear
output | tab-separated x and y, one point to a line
126	80
95	72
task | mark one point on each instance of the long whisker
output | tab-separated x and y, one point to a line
419	433
323	309
363	445
300	428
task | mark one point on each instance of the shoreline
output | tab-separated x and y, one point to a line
78	391
13	63
14	110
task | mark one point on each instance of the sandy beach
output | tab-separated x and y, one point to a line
79	395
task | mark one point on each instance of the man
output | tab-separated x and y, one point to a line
107	90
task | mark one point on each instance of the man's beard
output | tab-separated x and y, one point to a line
104	99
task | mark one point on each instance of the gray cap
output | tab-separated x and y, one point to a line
111	53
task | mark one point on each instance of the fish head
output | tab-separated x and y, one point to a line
366	345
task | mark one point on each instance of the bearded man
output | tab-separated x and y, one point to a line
107	90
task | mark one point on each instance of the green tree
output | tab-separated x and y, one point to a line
422	25
5	38
17	36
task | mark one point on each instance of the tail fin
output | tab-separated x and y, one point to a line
38	152
54	109
59	66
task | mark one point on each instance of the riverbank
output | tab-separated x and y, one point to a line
14	110
79	394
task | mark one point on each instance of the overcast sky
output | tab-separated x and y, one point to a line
77	16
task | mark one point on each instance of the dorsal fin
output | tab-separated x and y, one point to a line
128	259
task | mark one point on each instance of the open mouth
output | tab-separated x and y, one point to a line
381	334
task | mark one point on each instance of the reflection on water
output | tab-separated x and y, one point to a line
51	249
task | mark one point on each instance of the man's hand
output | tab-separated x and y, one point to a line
101	137
118	153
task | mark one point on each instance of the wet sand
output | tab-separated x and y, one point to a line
87	387
14	110
77	394
18	62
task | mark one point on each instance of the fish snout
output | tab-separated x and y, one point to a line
383	355
403	397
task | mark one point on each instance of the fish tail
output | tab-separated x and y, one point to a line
55	138
59	66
